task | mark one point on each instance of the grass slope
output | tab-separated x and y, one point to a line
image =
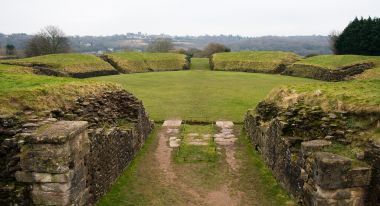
4	68
66	63
359	95
34	92
200	64
253	61
133	62
354	96
327	66
334	62
201	95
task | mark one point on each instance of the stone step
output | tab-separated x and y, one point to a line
172	123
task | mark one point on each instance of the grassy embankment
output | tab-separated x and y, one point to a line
134	62
253	61
21	92
360	96
72	64
320	66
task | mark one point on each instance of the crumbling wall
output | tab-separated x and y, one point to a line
116	128
315	155
325	74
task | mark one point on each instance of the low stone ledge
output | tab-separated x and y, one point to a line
50	198
31	177
314	146
346	196
333	171
57	133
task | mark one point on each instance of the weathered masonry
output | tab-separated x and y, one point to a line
72	155
319	157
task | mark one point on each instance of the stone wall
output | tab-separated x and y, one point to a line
325	74
116	127
315	155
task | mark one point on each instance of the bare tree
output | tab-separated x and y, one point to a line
213	48
333	36
50	40
161	45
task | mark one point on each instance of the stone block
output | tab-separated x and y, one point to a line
329	169
53	187
308	147
50	198
57	133
359	177
45	158
34	177
348	196
333	171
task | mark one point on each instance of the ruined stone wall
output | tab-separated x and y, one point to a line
315	155
116	128
325	74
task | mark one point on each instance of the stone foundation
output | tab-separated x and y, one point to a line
47	160
308	152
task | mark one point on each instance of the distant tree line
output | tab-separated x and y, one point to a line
302	45
361	37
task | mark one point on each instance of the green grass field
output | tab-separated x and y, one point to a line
66	63
253	61
201	95
200	64
133	62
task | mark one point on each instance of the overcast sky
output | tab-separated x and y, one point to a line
181	17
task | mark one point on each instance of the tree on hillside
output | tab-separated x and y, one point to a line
10	49
333	37
213	48
361	36
160	45
50	40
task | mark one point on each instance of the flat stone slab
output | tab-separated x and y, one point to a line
172	131
58	133
222	141
175	143
314	145
224	124
172	123
193	134
172	138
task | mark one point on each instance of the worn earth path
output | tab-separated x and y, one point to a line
205	164
169	140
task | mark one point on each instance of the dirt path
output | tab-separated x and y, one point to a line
169	139
207	165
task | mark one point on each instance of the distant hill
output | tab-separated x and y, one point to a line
302	45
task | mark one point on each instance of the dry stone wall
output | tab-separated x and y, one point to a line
70	155
325	74
315	155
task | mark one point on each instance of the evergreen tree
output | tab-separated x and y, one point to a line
360	37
